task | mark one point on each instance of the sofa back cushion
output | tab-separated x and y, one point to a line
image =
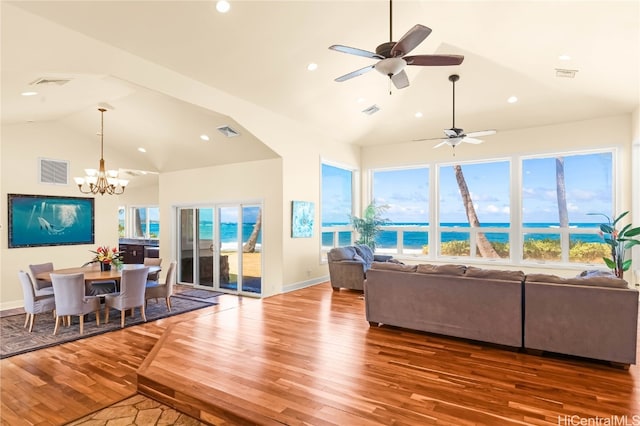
590	281
391	266
337	254
494	274
426	268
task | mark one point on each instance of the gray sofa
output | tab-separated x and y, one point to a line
348	266
588	317
447	299
592	317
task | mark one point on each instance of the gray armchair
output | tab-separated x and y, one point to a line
131	295
348	266
68	291
42	287
34	304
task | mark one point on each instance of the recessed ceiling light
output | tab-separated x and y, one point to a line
564	57
142	149
312	66
204	137
223	6
418	114
29	93
512	99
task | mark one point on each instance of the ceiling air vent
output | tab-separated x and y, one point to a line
45	80
371	110
54	172
228	131
564	73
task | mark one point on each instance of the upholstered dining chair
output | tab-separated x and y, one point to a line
155	290
34	304
68	290
42	287
153	261
131	295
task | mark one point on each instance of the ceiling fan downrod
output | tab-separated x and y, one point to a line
453	78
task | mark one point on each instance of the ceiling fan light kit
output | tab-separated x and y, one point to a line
391	55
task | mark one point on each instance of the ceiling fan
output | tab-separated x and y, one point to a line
391	55
456	135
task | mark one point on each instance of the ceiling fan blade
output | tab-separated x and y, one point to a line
355	51
354	73
471	140
482	133
434	60
453	133
400	80
410	40
444	142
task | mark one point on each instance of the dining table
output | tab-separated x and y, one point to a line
94	273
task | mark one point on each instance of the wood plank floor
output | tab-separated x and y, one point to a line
309	357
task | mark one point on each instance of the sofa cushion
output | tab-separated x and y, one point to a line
343	253
391	266
365	252
589	281
494	274
426	268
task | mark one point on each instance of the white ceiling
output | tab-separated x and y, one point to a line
259	50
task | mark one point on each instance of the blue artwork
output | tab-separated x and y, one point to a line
38	220
302	213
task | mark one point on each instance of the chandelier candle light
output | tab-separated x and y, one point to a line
101	181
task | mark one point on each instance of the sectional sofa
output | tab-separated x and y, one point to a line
594	317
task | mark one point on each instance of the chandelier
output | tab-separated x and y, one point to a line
101	181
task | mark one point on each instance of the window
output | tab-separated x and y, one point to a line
406	193
336	206
474	207
139	222
558	192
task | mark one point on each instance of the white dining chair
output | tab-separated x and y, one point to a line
68	291
155	290
34	304
131	295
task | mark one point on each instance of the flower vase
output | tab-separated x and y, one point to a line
105	266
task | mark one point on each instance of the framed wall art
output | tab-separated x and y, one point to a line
43	220
302	213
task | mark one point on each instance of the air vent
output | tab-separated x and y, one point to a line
56	81
371	110
54	172
564	73
228	131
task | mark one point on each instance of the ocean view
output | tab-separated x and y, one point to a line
416	240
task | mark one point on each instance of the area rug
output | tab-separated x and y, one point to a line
203	295
15	340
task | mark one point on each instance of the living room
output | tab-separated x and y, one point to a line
287	154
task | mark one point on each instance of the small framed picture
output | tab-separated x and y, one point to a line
302	213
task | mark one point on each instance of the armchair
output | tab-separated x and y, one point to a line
348	266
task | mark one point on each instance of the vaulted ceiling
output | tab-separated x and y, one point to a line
258	52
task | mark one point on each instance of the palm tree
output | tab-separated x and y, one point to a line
250	245
561	193
370	224
484	246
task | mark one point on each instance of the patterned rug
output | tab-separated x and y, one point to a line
15	340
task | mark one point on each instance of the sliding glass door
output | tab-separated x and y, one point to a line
220	247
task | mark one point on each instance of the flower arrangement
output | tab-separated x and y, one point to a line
106	256
620	241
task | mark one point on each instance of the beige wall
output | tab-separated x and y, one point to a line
22	145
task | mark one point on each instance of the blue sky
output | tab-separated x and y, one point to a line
406	192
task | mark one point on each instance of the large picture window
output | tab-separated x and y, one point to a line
336	206
406	194
474	209
558	192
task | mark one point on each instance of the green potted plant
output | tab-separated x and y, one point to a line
370	224
620	241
